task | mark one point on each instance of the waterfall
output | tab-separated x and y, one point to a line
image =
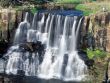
60	58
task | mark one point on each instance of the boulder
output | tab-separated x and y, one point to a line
83	55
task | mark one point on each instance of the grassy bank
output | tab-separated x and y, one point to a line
94	7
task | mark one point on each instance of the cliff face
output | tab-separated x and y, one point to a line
96	31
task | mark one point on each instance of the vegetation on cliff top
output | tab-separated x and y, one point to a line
94	7
87	6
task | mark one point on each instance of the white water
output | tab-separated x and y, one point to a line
61	59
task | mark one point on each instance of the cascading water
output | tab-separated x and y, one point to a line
59	34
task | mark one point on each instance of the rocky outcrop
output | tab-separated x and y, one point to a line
96	31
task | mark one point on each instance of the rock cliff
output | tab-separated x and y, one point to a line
96	31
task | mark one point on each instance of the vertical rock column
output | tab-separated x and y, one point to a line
9	20
4	23
108	40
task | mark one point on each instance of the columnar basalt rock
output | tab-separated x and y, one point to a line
9	19
108	40
98	26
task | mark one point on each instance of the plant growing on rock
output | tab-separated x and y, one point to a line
96	53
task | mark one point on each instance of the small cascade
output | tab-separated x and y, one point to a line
48	48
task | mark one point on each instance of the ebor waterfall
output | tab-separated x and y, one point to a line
58	34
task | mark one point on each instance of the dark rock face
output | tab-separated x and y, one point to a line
65	62
3	48
89	63
32	47
84	57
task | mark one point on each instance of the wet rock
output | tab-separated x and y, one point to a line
32	47
89	63
26	47
20	73
84	57
65	62
3	47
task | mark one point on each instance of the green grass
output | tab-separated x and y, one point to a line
87	10
93	8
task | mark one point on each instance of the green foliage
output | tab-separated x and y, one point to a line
96	53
